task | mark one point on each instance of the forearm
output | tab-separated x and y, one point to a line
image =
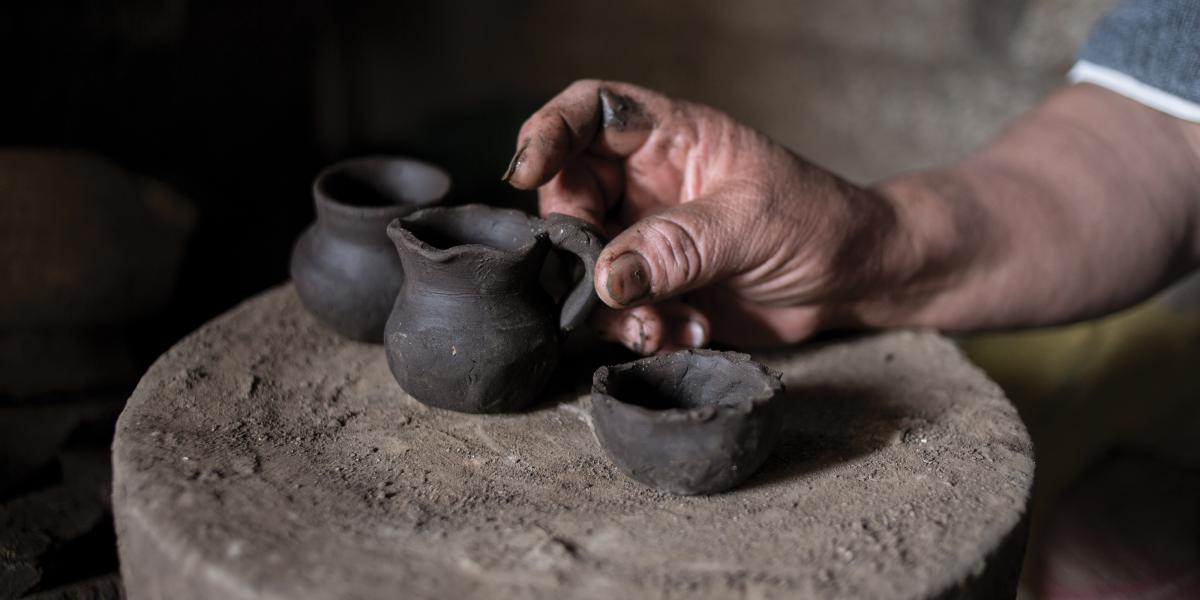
1087	205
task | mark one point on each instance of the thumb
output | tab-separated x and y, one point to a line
683	248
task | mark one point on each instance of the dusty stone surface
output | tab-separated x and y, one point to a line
264	457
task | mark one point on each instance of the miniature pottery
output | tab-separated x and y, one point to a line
472	329
345	269
691	422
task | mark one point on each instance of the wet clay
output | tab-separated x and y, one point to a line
472	329
690	422
344	266
265	457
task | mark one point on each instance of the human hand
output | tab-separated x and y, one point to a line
717	232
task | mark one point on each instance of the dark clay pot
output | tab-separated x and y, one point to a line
472	329
344	266
691	422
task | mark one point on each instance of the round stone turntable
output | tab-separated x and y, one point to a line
264	457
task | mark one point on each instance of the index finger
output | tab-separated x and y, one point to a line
606	117
586	187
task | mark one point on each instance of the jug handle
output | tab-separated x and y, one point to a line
580	238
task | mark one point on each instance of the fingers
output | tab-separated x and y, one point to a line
651	329
610	118
586	188
675	251
736	321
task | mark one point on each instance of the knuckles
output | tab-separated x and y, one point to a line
677	252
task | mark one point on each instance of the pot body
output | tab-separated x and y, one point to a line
347	280
344	267
473	354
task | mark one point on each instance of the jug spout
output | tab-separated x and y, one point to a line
473	329
471	248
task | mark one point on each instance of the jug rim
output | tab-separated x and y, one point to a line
398	231
325	201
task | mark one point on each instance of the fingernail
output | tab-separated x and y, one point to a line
695	334
635	335
515	163
628	278
620	112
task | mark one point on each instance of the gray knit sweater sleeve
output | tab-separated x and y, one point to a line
1148	50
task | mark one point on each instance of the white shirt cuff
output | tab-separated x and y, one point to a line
1116	81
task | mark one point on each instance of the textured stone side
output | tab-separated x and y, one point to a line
263	457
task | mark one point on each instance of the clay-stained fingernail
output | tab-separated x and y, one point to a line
628	278
515	163
621	112
696	337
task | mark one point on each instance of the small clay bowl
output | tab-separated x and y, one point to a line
690	422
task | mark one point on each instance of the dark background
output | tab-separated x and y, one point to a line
220	100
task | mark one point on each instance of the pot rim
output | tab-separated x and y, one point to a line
324	201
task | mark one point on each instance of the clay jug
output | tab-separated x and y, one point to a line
344	266
472	329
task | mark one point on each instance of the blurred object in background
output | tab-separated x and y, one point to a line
88	254
1127	381
206	108
213	99
1129	529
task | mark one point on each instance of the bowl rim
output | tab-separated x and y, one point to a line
771	379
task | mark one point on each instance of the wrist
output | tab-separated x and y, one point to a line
938	233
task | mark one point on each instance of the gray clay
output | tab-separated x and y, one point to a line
472	329
345	269
691	422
